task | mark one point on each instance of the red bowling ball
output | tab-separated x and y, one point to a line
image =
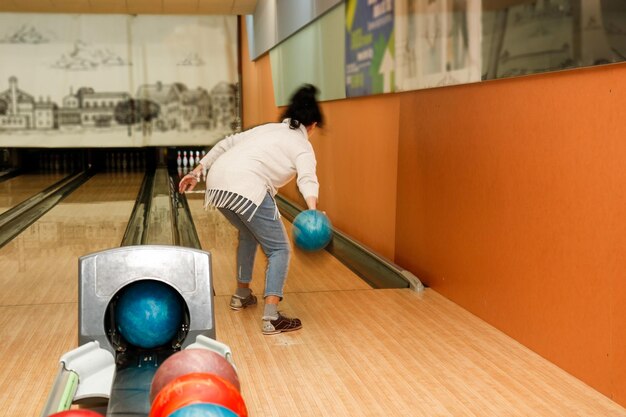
192	361
76	413
197	388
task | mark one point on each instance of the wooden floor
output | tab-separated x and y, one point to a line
17	189
362	352
38	301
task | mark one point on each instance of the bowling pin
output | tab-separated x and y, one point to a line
203	169
191	160
185	160
179	160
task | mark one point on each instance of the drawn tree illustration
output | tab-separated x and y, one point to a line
4	107
131	112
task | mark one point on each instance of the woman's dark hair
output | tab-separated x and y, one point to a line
303	108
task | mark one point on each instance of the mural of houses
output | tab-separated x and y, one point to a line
46	115
168	97
98	109
179	108
224	104
69	113
19	110
185	109
196	107
88	108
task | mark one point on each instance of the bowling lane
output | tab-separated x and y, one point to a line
395	352
40	264
17	189
33	339
308	271
38	302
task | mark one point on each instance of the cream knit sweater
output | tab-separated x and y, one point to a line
260	160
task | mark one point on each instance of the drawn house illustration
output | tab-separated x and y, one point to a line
46	116
88	108
196	108
169	99
224	104
69	113
180	108
98	109
20	111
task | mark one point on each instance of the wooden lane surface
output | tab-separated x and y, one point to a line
38	301
362	352
368	352
308	272
395	353
17	189
33	339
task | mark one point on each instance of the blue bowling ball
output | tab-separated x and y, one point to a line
312	230
148	313
203	410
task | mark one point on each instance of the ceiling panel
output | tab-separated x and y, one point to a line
144	6
109	6
220	6
26	5
244	7
131	6
70	3
71	6
180	6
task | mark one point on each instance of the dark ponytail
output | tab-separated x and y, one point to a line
303	108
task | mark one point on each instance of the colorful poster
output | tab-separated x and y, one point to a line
370	66
117	80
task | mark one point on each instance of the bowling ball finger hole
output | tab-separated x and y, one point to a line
146	314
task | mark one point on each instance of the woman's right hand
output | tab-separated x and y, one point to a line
187	183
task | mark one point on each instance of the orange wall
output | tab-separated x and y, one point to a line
512	205
508	197
257	89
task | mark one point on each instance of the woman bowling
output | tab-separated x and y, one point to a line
245	171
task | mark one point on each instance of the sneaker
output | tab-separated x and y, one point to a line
238	303
281	324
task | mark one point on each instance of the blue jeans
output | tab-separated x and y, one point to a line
268	230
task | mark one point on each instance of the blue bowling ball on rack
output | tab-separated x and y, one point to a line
312	230
203	410
148	313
